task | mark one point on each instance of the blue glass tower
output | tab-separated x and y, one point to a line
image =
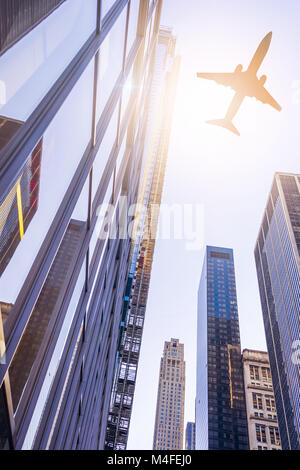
190	436
221	421
278	270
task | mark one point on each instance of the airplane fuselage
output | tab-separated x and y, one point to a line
246	83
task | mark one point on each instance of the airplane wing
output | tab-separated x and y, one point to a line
264	96
226	79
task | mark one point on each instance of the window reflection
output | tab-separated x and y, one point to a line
132	25
98	227
110	62
106	6
128	89
55	360
48	301
104	152
120	155
63	145
30	67
20	205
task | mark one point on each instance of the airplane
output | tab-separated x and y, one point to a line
245	84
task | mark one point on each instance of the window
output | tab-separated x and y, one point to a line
215	254
266	374
270	403
274	435
257	401
254	372
260	433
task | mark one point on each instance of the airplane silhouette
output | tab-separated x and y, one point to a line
245	84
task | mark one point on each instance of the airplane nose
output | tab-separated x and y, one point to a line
267	39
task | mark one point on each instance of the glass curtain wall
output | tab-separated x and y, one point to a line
67	82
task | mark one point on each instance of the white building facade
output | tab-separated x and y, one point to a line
261	409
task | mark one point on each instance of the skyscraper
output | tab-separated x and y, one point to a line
169	419
221	421
79	74
160	106
261	409
190	436
278	270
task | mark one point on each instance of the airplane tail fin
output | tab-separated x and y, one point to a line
226	123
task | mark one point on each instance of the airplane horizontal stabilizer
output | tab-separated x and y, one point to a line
224	123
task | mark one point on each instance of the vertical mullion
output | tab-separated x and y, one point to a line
120	101
93	138
123	68
99	11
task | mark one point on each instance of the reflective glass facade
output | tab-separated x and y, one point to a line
79	88
160	104
278	271
190	436
221	422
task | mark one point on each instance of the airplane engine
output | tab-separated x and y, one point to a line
263	80
238	68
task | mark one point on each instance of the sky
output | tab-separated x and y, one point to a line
229	176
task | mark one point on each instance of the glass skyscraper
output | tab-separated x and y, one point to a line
161	103
278	270
75	76
190	436
221	421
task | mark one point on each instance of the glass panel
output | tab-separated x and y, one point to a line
133	22
110	62
127	92
48	300
37	414
62	148
81	209
148	34
106	6
31	66
104	151
121	155
99	267
98	225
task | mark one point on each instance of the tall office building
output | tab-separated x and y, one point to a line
160	106
190	436
221	421
169	419
278	270
260	402
77	75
